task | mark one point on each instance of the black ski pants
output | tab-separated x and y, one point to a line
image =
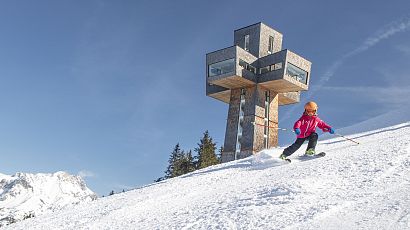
299	141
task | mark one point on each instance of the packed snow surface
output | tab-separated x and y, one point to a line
355	186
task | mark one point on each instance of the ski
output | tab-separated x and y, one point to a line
308	157
321	154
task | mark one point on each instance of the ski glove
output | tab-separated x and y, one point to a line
297	131
331	131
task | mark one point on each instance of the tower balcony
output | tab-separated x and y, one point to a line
231	68
224	95
289	98
219	93
284	72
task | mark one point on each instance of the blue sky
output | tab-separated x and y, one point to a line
106	89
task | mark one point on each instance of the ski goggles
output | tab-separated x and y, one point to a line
310	111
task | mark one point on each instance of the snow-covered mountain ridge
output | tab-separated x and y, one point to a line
363	186
26	195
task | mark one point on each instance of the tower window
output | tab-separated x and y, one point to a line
270	47
223	67
247	66
266	119
246	45
264	70
240	120
297	73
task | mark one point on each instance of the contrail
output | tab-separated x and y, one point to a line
397	26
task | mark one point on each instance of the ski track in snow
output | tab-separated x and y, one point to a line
363	186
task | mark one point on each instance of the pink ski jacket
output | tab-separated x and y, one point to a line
307	125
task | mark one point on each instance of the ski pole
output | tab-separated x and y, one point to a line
271	127
347	138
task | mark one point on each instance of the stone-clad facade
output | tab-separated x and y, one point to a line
254	77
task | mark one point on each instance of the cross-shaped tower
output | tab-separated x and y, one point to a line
254	76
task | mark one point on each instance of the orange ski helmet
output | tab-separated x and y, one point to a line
311	106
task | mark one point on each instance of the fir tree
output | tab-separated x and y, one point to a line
190	165
206	152
179	161
185	163
169	173
220	154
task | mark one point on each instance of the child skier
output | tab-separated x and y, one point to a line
305	129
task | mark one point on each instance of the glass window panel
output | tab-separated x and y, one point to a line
266	124
252	69
223	67
270	48
264	69
243	63
246	46
296	73
247	66
278	65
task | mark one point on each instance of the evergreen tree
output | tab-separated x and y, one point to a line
185	163
169	173
179	161
220	154
206	152
190	166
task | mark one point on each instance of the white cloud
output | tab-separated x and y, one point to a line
384	33
405	49
86	173
397	26
389	96
396	74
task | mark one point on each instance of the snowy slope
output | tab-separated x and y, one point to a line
24	194
384	120
363	186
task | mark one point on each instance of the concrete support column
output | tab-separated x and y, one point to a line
232	126
253	124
